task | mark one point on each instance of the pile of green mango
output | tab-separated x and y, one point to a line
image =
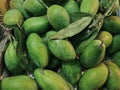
61	45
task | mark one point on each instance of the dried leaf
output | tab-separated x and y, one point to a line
73	29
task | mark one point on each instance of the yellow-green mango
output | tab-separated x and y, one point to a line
13	17
113	80
12	60
37	50
94	78
89	6
93	54
50	80
21	82
62	49
58	17
112	24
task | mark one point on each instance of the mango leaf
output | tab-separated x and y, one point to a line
73	28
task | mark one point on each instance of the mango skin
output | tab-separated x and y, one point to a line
37	50
116	58
62	49
93	54
36	25
49	80
21	82
71	6
34	7
58	17
13	17
113	80
72	71
115	45
12	60
94	78
112	24
89	6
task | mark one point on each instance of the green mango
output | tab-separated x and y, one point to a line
49	80
89	6
62	49
58	17
113	80
94	78
72	71
93	54
71	6
112	24
115	45
12	60
13	17
36	25
116	58
37	50
21	82
18	4
34	7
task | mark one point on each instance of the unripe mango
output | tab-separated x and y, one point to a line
21	82
112	24
115	45
36	25
37	50
12	60
72	71
62	49
113	80
89	6
49	80
58	17
94	78
93	54
13	17
34	7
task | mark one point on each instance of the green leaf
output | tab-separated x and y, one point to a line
73	28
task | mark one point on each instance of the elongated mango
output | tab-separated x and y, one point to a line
58	17
12	60
72	71
62	49
113	76
37	50
93	54
94	78
36	25
112	24
89	6
49	80
21	82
